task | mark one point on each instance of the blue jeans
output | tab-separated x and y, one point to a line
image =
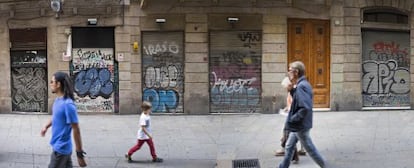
304	138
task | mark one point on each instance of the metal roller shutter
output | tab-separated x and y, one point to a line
235	71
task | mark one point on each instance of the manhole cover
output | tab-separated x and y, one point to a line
246	163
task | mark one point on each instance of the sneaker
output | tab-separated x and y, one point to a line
159	160
302	152
128	157
280	152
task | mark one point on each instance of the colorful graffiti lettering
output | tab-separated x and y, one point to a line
162	100
384	51
93	73
235	71
163	74
160	85
245	97
93	82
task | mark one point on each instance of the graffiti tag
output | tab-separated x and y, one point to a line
93	82
161	100
384	78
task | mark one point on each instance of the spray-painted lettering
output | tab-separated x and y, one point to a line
152	49
93	82
384	51
93	71
384	78
162	77
230	86
250	38
163	74
29	89
162	100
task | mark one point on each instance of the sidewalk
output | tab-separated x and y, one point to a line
366	139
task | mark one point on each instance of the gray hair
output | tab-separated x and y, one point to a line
299	66
286	82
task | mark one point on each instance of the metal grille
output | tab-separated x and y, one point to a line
163	70
246	163
235	71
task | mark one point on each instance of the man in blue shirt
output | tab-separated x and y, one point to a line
299	119
64	120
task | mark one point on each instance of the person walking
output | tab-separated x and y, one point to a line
300	118
287	84
144	134
64	119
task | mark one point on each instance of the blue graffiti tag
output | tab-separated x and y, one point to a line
247	97
94	82
161	100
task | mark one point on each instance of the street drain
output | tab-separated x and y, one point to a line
246	163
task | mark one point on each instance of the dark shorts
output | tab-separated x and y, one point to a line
58	160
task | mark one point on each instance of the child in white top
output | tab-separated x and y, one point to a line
144	134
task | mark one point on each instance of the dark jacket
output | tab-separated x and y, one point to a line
300	114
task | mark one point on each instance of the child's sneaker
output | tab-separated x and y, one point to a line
128	157
159	160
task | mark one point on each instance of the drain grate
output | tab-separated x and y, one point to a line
246	163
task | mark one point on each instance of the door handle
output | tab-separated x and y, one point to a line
320	71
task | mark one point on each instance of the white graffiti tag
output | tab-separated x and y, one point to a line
152	49
381	77
232	86
162	77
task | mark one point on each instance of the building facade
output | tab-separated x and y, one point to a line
205	56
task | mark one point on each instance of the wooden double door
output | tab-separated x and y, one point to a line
309	42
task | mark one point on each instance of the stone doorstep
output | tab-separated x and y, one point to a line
224	163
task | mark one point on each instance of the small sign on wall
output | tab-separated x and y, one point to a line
120	56
66	57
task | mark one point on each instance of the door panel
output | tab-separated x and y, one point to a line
386	68
235	71
28	70
309	43
163	71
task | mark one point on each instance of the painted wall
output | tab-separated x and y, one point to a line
235	71
163	73
93	73
385	69
29	81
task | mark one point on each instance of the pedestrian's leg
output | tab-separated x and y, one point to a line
155	158
283	140
307	143
289	150
302	150
152	148
136	147
58	160
295	157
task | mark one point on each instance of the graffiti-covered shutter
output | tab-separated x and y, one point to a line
385	69
28	58
235	71
94	70
163	72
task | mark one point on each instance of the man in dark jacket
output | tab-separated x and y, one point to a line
299	119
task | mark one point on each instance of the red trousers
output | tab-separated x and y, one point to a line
139	145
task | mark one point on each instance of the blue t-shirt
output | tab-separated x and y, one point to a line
64	114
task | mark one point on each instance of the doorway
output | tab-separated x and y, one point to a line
309	42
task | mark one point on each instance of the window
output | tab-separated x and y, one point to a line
385	16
